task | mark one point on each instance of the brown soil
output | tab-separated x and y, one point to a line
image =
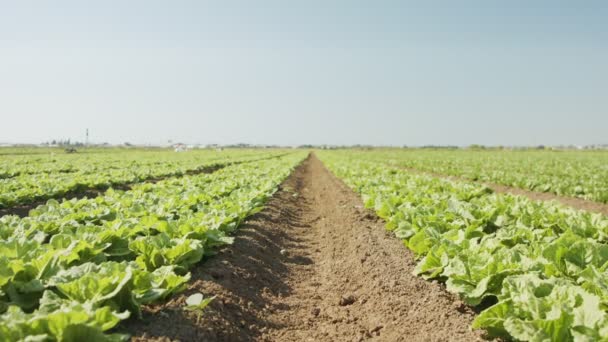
573	202
313	266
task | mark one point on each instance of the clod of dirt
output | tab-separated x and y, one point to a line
461	307
315	311
347	300
216	275
370	217
377	328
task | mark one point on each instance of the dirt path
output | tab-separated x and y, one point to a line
576	203
313	266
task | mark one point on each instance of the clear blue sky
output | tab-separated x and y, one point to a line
287	72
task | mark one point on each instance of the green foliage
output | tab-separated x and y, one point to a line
29	178
73	269
582	174
197	302
545	266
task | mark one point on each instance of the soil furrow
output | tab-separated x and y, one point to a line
313	266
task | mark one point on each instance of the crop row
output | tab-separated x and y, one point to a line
538	270
13	165
32	187
575	174
75	269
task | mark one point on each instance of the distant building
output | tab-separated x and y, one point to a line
179	147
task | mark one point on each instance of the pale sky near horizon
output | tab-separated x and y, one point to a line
298	72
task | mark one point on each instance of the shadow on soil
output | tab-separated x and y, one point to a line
246	276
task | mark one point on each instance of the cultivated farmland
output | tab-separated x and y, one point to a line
293	245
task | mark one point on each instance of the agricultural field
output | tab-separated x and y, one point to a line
536	270
26	179
581	174
293	245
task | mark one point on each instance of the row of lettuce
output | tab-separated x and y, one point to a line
92	160
537	270
582	174
72	174
72	270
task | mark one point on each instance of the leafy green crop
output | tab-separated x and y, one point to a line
73	269
32	178
582	174
542	268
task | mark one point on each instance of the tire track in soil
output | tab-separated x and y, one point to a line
314	265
